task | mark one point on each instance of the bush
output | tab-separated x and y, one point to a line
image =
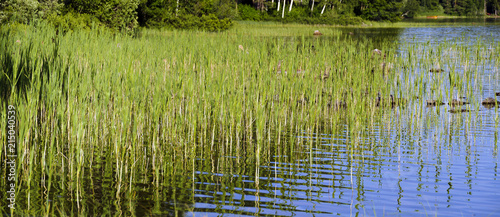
212	24
297	13
72	21
115	14
247	12
121	15
185	21
225	9
27	11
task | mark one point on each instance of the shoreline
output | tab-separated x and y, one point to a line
451	17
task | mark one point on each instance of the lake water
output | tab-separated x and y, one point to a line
425	163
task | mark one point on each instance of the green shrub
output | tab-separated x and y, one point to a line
120	14
27	11
247	12
156	18
213	24
185	21
72	21
297	13
115	14
225	9
18	11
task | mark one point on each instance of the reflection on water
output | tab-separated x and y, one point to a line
408	163
389	172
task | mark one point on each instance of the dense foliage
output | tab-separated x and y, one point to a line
210	15
459	7
218	15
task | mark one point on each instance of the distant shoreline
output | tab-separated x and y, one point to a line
451	17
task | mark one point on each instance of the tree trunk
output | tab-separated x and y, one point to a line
177	8
279	5
291	3
484	7
324	6
312	6
283	12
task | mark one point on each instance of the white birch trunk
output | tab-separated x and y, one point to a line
324	6
283	12
177	8
485	12
312	6
291	3
279	5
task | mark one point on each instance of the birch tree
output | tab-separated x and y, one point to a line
325	2
291	4
283	12
177	8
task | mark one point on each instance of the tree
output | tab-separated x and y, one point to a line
411	8
492	7
430	5
211	15
24	11
116	14
283	12
18	11
379	10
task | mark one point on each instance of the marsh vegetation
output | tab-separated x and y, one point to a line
263	119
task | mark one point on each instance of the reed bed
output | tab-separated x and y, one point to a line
99	111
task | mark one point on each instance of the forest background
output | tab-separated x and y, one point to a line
218	15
